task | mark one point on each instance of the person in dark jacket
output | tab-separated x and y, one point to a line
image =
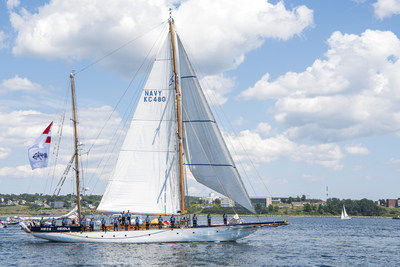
194	220
225	217
160	220
103	225
147	222
209	219
172	219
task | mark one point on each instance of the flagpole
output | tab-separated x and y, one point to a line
78	193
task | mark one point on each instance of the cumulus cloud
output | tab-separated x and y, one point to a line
18	84
386	8
12	4
352	92
90	29
216	87
269	149
357	150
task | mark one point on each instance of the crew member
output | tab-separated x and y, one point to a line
123	218
91	224
209	219
225	217
160	220
172	219
42	222
83	223
128	217
64	222
137	223
147	222
194	220
103	225
116	224
126	223
53	222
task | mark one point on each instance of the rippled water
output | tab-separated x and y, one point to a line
305	242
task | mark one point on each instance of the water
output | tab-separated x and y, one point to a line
305	242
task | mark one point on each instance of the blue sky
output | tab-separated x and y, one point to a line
311	88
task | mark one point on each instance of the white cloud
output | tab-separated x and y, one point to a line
264	129
18	84
313	178
270	149
12	4
4	152
239	121
2	40
76	29
386	8
353	92
357	150
393	161
216	87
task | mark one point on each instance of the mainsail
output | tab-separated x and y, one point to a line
206	153
146	177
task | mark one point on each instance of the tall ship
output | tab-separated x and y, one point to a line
172	129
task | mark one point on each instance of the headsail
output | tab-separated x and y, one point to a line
207	156
144	179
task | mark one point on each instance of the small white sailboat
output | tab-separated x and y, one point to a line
172	128
344	215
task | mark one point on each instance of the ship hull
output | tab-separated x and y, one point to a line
219	233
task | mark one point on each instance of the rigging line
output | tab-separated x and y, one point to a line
146	65
119	48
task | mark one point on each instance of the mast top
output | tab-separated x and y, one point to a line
170	15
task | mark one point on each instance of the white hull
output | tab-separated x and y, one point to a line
201	234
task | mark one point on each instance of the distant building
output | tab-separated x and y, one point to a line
391	203
57	204
227	202
300	204
210	199
263	201
276	201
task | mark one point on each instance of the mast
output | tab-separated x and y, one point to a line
178	116
78	194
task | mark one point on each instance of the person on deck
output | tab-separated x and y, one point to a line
123	217
147	222
209	219
64	222
225	217
128	217
91	224
42	222
126	223
73	221
103	225
137	223
172	219
194	220
160	220
116	224
53	222
83	223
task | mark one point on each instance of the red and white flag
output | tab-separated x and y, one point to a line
39	152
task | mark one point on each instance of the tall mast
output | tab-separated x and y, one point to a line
178	116
78	193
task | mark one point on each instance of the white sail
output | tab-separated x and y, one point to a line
145	177
205	150
344	215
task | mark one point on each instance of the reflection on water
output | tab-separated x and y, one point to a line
305	242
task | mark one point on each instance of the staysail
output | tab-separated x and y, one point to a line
144	179
206	153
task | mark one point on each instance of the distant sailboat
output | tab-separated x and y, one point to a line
172	127
344	214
